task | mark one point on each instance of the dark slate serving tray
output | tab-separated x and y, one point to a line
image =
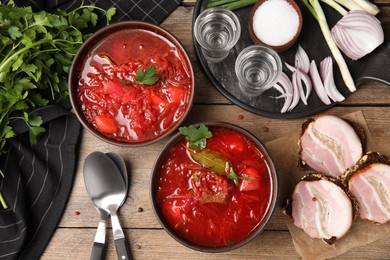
375	66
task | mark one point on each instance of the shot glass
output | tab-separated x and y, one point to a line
257	69
217	30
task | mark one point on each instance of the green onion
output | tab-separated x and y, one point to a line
2	201
351	5
213	3
367	6
336	6
231	4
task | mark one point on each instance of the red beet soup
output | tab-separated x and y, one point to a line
115	95
208	209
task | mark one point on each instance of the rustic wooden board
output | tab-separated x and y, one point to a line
75	233
156	244
140	160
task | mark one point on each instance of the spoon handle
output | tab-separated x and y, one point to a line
98	250
119	238
99	245
122	250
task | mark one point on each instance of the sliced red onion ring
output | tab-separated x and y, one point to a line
317	83
285	95
357	34
302	61
326	72
285	87
301	76
300	87
290	67
295	97
278	88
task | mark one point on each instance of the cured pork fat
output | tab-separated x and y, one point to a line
370	185
329	145
321	209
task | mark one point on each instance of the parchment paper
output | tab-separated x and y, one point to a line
284	152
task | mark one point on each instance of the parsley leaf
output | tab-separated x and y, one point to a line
196	136
148	76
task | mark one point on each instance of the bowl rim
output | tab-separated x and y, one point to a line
272	201
277	48
91	42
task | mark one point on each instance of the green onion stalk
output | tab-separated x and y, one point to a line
2	201
231	4
363	5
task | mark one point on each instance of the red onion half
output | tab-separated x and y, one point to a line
357	34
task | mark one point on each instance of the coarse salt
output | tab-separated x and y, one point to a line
275	22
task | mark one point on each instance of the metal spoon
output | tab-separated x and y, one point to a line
99	246
107	190
120	163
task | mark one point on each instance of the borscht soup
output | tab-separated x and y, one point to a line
134	85
218	195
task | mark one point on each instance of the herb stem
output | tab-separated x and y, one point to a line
5	62
60	42
91	7
3	202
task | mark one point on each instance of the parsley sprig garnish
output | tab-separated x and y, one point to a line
147	76
196	136
208	158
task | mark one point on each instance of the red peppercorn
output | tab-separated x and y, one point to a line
314	199
240	117
77	213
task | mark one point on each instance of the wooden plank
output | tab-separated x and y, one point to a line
140	161
68	243
74	236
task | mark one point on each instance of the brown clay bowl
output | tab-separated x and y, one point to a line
278	48
95	40
155	189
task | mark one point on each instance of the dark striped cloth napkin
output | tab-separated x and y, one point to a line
38	179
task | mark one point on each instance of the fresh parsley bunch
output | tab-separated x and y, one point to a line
36	52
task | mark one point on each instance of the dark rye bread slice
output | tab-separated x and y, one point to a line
366	160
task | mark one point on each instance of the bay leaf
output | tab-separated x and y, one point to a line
214	161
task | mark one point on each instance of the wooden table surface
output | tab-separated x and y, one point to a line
75	233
